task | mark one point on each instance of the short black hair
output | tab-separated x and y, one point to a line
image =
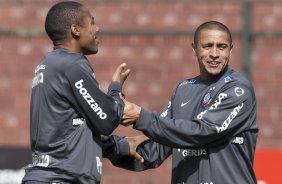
212	25
60	18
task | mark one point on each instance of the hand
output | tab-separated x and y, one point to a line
134	142
130	114
120	74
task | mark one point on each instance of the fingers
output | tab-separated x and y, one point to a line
121	67
141	139
125	73
127	120
138	157
138	140
127	123
121	73
134	142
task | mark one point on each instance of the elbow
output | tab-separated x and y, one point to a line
108	131
105	122
104	129
114	120
112	123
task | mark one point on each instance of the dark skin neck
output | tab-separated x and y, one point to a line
69	44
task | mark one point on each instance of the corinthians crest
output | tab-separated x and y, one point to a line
208	97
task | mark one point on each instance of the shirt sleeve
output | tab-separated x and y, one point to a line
231	112
116	149
103	112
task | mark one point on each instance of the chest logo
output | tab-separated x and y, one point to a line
208	97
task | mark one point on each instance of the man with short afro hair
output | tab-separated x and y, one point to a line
68	111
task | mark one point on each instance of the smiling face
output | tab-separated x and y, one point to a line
212	49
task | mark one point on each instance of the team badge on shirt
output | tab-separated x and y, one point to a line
228	79
208	97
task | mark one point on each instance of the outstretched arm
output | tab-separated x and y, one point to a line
230	113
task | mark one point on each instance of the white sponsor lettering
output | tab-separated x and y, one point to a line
217	102
99	165
238	140
169	104
89	99
164	114
37	79
42	161
193	152
232	115
200	116
78	121
39	67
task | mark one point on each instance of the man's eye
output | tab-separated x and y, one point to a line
223	46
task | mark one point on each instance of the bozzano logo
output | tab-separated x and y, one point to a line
89	99
232	115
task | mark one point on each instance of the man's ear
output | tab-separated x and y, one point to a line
194	49
231	48
75	31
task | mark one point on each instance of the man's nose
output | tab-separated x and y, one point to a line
214	52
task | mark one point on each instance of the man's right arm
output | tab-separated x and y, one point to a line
102	112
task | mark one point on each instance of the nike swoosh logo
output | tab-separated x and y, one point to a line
185	103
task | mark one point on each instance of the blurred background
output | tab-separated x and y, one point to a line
154	37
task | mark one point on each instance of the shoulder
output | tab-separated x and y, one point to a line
185	84
188	82
63	57
238	79
63	60
235	84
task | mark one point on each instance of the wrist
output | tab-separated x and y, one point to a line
115	86
137	112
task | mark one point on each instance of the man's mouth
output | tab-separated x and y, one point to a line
213	63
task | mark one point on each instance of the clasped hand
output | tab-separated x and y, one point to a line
130	114
134	142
